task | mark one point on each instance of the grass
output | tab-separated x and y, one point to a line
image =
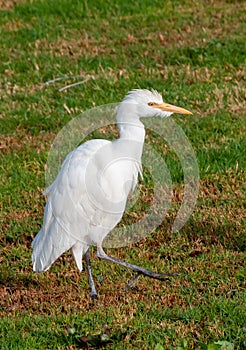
194	54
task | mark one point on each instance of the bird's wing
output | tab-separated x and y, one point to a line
69	215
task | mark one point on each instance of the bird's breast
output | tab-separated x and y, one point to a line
111	175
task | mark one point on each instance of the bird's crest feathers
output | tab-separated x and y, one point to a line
143	96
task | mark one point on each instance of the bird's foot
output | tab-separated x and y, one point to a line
131	283
159	275
94	297
151	274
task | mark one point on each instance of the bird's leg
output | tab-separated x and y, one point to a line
138	269
93	292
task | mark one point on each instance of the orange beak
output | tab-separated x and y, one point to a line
170	108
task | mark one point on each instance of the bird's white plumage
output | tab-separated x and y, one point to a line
89	195
73	218
143	96
67	215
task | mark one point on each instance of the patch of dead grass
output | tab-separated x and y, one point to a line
15	25
67	290
222	20
74	47
62	291
22	139
222	187
9	4
8	89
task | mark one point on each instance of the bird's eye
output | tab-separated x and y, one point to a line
151	104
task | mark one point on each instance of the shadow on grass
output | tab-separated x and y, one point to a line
17	280
227	235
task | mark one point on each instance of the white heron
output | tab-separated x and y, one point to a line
88	197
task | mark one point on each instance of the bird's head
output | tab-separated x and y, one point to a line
146	103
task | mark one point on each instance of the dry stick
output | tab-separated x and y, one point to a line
63	78
78	83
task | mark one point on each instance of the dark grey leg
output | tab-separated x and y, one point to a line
140	270
131	283
93	292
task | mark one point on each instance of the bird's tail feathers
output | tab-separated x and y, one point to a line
49	244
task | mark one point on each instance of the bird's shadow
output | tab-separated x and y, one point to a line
226	235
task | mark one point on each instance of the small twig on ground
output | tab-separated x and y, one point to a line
63	78
78	83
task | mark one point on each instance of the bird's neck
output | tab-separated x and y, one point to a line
134	131
131	140
129	124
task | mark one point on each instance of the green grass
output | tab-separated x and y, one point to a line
194	54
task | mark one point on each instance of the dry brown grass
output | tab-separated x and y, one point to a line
64	289
9	4
24	140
